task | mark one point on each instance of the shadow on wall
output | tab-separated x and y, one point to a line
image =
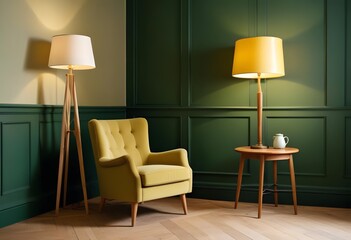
37	57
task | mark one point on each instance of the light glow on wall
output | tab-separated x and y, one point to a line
45	88
53	14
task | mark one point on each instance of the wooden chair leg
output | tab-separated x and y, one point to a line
134	208
184	204
102	203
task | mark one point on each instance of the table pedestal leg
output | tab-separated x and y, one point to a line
240	177
275	182
293	184
260	190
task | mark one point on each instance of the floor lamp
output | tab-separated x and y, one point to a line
72	52
256	58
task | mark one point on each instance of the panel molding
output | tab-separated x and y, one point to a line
216	59
337	45
8	146
136	38
305	51
243	108
308	147
229	153
348	146
347	83
306	195
164	133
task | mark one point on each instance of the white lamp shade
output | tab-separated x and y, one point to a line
258	55
71	51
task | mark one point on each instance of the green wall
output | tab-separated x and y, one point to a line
30	147
179	59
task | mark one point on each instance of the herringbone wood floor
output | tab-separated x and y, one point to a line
163	219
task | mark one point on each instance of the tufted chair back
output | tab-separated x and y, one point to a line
123	137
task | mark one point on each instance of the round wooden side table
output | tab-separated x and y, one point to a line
267	154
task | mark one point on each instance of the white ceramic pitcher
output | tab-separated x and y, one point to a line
280	141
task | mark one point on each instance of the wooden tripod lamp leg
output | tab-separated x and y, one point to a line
64	130
70	91
66	164
79	145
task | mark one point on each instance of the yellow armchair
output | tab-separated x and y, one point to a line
129	172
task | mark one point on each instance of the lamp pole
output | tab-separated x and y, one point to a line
259	114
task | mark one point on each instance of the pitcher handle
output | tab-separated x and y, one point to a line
286	140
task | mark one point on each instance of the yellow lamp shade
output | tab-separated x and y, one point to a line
71	51
258	56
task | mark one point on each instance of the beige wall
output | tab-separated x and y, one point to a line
26	28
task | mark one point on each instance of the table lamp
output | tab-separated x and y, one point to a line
256	58
71	52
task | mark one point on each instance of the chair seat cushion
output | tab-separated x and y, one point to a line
153	175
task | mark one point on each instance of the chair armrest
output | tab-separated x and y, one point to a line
119	179
177	156
123	163
112	162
